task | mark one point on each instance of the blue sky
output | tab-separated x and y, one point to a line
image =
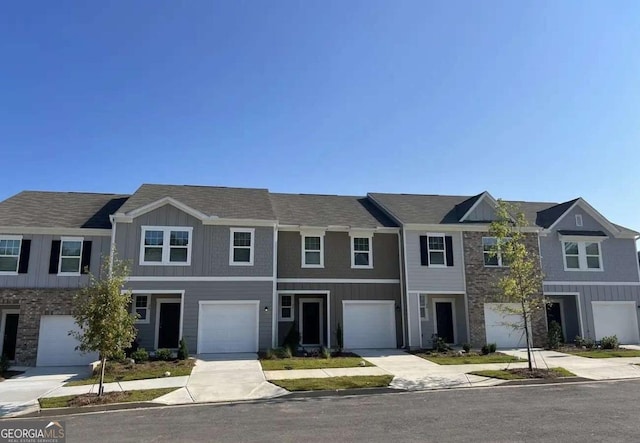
529	100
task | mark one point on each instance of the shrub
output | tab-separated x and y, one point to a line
339	338
484	350
610	342
183	350
282	353
554	335
325	353
4	364
133	348
164	354
140	355
269	354
439	344
579	341
588	343
292	340
466	347
492	348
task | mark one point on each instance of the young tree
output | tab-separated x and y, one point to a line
101	311
521	286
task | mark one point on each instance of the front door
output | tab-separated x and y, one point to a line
310	321
10	336
169	325
444	321
554	313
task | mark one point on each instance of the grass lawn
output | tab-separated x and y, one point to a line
523	373
311	363
334	383
469	359
108	397
603	353
116	371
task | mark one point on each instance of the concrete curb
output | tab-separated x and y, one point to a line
547	381
87	409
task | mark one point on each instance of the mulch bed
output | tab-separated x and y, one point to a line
93	399
535	373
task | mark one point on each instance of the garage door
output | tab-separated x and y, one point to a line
56	347
616	318
369	325
228	327
499	326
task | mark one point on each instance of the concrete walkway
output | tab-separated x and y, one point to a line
323	373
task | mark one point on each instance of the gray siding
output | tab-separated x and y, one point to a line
147	331
425	278
337	257
38	272
571	324
196	291
428	324
210	247
619	256
345	291
590	293
483	212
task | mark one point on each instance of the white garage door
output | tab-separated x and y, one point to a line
499	326
616	318
228	327
56	347
369	325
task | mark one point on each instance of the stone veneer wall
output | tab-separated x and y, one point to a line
482	288
32	304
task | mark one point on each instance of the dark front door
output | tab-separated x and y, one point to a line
10	336
554	313
444	320
310	323
169	327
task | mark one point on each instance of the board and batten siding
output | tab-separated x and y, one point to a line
338	292
219	291
483	212
590	293
209	250
337	257
619	256
428	324
426	278
38	276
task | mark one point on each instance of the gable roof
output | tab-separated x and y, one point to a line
60	209
328	210
212	201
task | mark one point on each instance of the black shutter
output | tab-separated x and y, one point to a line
23	264
424	254
86	257
54	259
448	245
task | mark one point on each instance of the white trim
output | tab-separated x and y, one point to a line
614	302
5	312
162	202
160	301
134	308
591	283
60	257
453	316
484	195
280	306
577	296
241	222
303	255
12	237
582	238
422	297
166	245
560	301
582	256
339	280
197	278
155	291
229	302
462	227
232	232
304	291
361	234
437	292
329	322
301	302
369	302
579	222
589	210
112	246
87	232
335	228
443	250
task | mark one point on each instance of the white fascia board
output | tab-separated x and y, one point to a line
459	227
240	222
82	232
168	201
582	238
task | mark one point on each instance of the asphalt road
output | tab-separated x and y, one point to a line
603	411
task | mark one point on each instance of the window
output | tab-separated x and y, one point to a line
582	256
10	254
286	307
578	219
423	307
141	308
436	250
312	251
70	255
361	256
166	245
492	255
241	249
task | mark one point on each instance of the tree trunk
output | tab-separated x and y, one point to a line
526	333
103	363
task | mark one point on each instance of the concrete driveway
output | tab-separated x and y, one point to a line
225	377
20	394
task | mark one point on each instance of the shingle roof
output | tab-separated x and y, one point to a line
328	210
241	203
60	209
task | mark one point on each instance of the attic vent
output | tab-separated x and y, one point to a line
578	219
